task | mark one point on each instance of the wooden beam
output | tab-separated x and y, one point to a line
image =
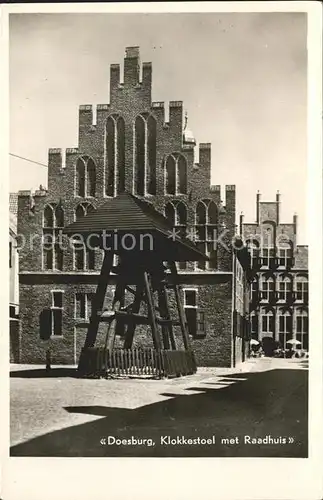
180	307
151	312
135	309
98	300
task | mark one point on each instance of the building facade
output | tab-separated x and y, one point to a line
127	145
279	290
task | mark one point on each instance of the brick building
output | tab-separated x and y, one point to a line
127	145
279	290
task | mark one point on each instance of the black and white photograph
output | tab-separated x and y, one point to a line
159	235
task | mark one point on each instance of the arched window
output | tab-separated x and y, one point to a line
145	154
140	155
181	175
115	155
110	156
53	221
80	177
59	216
302	327
85	177
170	175
212	213
83	209
121	155
201	213
91	178
170	213
284	288
176	174
48	216
151	154
206	230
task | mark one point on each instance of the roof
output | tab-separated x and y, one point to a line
128	214
13	203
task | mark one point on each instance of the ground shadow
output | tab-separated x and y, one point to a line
59	372
271	404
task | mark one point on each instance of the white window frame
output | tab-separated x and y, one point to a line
56	308
188	306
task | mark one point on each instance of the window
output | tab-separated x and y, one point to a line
83	209
267	322
254	291
53	223
145	154
285	256
206	231
301	293
285	327
115	155
85	177
190	298
175	174
176	214
268	257
57	313
267	289
284	289
84	258
253	249
302	327
201	323
190	308
83	306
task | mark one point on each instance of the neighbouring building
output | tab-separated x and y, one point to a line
279	290
13	280
127	145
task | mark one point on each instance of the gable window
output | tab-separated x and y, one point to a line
115	155
175	174
53	223
206	228
285	255
145	154
85	177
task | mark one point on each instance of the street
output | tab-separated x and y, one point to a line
257	409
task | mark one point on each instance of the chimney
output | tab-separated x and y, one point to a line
295	227
257	207
278	207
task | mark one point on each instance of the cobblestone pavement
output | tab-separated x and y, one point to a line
265	393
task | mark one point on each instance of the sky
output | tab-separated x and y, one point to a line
241	76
